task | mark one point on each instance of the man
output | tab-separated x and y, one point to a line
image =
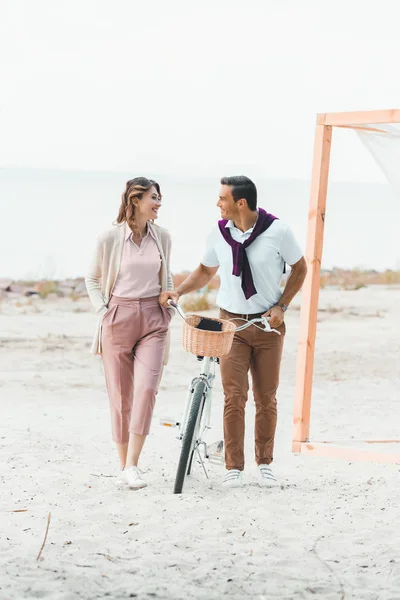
251	248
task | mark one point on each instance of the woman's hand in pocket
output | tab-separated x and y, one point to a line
104	310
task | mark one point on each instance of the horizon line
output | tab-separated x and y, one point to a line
174	174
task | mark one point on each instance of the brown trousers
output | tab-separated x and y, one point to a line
261	352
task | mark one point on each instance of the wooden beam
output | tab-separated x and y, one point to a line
296	447
348	453
362	128
311	286
336	442
382	441
365	117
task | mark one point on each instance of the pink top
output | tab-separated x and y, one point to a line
139	272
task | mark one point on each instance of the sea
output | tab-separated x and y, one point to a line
50	219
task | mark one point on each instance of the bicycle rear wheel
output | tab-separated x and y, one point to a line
189	436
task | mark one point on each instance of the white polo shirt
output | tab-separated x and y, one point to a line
266	256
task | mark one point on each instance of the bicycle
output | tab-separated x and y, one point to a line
196	415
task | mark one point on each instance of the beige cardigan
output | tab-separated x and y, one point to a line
103	272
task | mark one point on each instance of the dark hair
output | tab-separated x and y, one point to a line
135	188
242	187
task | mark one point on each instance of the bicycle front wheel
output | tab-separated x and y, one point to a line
189	436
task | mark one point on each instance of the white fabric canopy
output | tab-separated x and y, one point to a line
383	142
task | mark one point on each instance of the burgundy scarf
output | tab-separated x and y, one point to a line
241	264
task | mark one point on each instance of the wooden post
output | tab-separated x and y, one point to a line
310	294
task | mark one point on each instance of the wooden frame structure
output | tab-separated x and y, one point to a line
311	287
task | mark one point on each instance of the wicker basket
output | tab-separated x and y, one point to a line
207	343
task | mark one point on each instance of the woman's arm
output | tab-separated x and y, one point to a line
93	279
170	281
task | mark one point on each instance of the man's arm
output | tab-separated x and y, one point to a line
293	285
195	281
295	281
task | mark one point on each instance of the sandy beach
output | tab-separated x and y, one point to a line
331	530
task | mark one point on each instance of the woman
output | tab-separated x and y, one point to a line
130	269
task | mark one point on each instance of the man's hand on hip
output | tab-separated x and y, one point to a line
276	315
165	296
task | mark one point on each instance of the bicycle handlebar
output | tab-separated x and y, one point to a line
177	308
264	320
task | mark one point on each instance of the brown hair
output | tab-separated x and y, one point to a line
135	188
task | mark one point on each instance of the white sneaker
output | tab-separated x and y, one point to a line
120	478
233	478
133	478
266	477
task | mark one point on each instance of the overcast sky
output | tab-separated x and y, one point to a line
204	87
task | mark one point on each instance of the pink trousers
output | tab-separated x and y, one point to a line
134	335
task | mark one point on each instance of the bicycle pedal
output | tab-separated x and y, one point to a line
215	452
216	459
169	423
